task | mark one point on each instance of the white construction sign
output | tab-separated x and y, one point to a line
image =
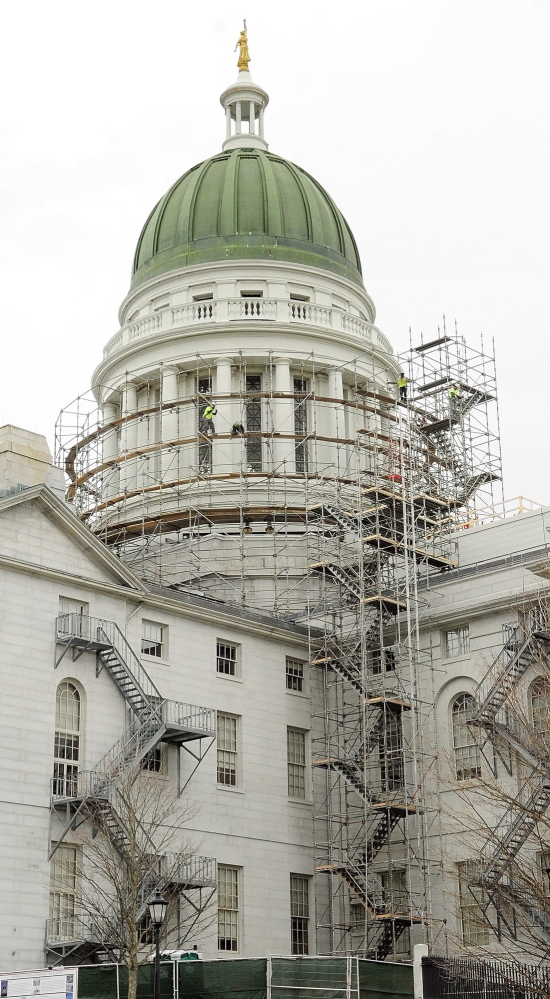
55	984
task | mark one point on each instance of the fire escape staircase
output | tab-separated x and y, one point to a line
510	734
93	795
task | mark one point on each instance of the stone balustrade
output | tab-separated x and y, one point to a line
246	309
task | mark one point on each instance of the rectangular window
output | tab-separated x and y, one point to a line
475	928
457	642
296	748
153	642
390	750
294	675
396	901
204	397
63	886
153	760
227	750
300	425
226	659
253	423
299	914
69	606
357	917
228	908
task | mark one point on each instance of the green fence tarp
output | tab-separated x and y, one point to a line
297	978
238	979
379	980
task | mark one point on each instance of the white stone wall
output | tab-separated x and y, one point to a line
254	826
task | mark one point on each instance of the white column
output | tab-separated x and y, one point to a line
251	118
110	450
283	447
128	438
228	122
238	118
169	424
261	123
142	440
336	422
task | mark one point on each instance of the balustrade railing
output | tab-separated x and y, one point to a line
72	929
248	308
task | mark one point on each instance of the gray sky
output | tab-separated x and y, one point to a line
426	120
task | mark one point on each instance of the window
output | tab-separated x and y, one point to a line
381	661
300	424
69	606
63	886
390	750
457	642
228	908
396	900
540	710
253	423
357	917
66	741
153	642
296	748
294	675
204	393
75	617
153	760
251	294
299	914
466	749
226	659
227	750
475	929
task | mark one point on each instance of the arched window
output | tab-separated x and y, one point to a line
67	740
540	710
466	749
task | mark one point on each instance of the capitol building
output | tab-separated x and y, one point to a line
263	579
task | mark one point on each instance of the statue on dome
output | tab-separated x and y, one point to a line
242	44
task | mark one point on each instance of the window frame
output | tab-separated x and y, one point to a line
300	914
478	932
63	899
463	642
162	644
228	760
234	920
224	673
460	754
298	676
295	777
67	748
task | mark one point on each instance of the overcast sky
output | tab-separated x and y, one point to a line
426	120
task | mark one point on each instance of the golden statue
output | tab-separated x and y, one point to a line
242	44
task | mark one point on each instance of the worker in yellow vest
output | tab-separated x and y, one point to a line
454	400
402	386
208	414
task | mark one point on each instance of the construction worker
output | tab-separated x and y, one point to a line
402	386
454	400
207	420
237	430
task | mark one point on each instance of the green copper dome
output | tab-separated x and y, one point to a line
246	204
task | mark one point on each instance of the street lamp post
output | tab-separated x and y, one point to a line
157	912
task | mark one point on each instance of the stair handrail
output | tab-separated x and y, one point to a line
491	683
131	661
508	825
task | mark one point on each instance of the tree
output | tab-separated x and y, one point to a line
133	843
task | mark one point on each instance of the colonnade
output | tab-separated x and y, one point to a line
165	411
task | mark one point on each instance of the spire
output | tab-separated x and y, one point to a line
244	104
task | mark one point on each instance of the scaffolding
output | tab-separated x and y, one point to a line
329	501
